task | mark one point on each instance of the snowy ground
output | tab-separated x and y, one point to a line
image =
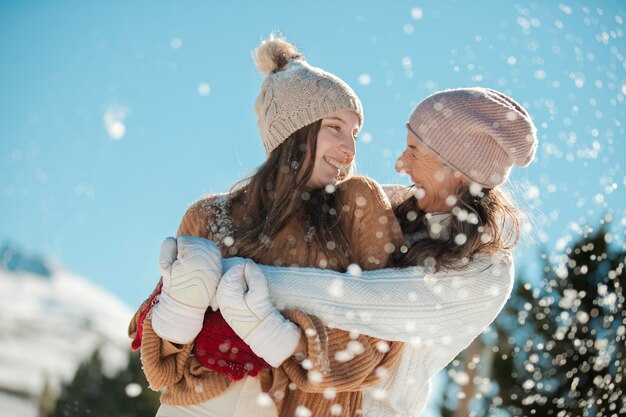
48	326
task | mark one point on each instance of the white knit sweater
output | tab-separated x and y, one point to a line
437	314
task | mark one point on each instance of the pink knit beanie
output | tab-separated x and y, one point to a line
479	132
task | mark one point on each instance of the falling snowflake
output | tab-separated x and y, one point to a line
113	119
365	79
176	43
204	89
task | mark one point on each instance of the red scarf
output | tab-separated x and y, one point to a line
217	346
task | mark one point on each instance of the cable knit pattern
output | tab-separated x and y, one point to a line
297	96
371	228
294	93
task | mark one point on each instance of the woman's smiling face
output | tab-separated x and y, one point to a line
436	181
335	148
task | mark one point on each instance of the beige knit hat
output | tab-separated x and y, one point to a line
476	131
295	94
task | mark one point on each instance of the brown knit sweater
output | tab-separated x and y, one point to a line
371	226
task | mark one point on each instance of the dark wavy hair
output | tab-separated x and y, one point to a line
487	223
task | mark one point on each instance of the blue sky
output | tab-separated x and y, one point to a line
117	115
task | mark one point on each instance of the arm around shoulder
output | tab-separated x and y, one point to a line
400	304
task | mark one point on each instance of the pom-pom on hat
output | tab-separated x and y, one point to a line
479	132
294	93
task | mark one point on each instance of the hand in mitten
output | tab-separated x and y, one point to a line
191	268
244	303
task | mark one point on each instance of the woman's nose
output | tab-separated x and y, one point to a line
348	148
401	166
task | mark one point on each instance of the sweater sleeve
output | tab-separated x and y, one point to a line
447	309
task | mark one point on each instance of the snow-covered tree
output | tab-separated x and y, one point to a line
558	348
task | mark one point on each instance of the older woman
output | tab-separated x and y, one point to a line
459	228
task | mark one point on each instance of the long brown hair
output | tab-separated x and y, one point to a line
487	222
277	192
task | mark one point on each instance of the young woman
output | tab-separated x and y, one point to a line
301	208
460	229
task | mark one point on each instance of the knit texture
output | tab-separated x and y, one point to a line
437	315
479	132
402	303
370	228
296	94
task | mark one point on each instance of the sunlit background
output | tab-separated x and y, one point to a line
115	116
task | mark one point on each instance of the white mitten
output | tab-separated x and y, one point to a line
191	268
244	303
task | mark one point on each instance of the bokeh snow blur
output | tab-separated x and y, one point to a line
117	115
